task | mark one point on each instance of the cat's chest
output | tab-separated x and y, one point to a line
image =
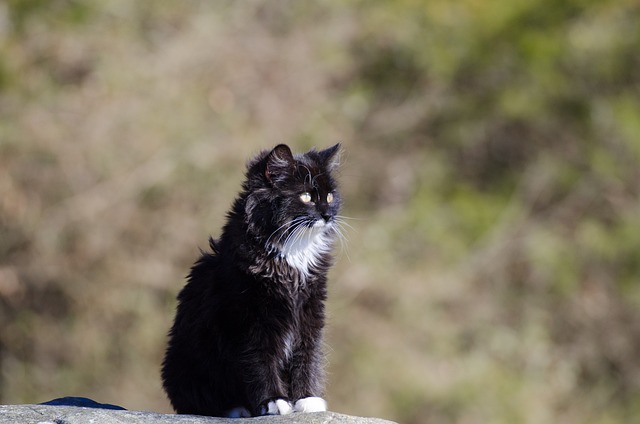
303	253
297	321
293	271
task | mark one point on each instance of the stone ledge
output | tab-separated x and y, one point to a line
46	414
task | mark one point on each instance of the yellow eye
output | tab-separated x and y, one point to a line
305	197
329	197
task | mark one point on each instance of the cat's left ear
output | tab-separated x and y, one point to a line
280	163
331	156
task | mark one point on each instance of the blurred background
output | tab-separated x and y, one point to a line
491	167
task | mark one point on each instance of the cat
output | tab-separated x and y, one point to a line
247	335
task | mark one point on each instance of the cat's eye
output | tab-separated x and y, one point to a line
305	197
329	197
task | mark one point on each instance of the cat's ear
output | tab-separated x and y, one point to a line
331	156
280	163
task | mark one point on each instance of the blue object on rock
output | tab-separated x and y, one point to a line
80	401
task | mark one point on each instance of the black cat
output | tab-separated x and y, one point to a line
247	336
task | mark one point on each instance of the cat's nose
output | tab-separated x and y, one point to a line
326	216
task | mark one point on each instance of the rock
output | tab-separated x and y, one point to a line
49	414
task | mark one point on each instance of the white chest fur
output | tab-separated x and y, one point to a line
304	247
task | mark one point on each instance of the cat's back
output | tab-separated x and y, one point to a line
214	288
202	298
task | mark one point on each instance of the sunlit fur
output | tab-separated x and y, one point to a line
247	337
305	244
310	404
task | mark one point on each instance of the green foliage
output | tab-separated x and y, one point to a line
492	163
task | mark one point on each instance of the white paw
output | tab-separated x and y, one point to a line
310	404
279	407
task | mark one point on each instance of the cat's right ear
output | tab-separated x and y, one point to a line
332	156
280	163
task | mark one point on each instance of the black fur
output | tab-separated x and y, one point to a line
248	327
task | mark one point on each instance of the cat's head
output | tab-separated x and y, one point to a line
292	196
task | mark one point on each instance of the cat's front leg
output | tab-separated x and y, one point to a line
307	372
267	392
307	380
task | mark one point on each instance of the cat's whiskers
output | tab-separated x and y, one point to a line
307	242
339	231
291	231
342	224
294	229
344	218
309	175
297	233
287	226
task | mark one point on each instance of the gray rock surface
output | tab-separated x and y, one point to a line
47	414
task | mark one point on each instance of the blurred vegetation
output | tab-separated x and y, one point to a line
492	169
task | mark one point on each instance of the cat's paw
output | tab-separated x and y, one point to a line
276	407
310	404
